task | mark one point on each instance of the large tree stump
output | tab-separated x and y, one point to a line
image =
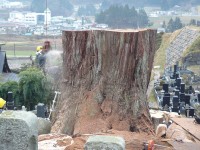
105	79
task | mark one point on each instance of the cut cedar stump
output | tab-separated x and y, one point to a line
105	78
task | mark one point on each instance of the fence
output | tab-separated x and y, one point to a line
25	49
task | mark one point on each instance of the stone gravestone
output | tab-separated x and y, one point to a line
18	131
41	110
10	104
99	142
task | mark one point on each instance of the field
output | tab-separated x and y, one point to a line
26	46
157	21
195	69
19	53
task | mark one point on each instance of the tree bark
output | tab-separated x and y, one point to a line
105	79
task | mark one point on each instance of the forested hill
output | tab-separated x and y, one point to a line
135	2
57	7
140	3
65	7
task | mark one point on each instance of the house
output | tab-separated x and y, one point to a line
5	4
15	5
160	30
31	18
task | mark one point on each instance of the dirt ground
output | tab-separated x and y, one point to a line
133	140
97	125
19	44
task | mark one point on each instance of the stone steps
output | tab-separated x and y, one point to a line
176	48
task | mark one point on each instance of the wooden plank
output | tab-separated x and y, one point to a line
184	146
189	125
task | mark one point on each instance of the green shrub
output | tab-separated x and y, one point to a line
35	87
13	87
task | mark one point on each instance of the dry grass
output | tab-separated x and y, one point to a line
195	69
195	47
26	45
151	97
160	56
157	21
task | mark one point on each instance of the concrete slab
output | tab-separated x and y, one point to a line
99	142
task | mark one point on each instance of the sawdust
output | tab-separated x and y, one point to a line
133	140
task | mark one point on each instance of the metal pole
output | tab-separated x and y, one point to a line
46	18
53	105
54	40
14	50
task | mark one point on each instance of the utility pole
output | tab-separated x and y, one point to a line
46	18
14	50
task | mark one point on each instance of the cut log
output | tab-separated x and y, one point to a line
106	75
157	117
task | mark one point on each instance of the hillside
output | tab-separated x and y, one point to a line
140	3
160	56
58	8
195	47
191	56
185	44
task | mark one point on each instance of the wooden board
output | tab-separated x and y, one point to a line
184	146
189	125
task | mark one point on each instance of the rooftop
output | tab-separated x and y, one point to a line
5	77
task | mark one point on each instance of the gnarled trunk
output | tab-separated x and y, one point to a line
105	79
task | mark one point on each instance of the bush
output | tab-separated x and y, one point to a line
13	87
35	87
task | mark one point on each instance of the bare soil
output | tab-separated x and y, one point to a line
133	140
